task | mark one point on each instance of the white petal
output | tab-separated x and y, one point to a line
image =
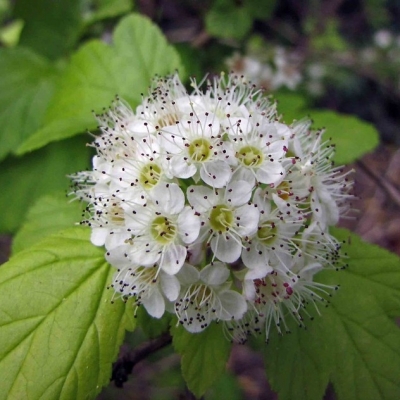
140	128
247	217
276	148
233	305
244	174
173	258
181	169
238	193
253	259
282	130
263	203
169	197
115	239
188	275
214	274
271	172
170	286
118	257
188	225
154	304
99	235
143	254
201	198
227	250
216	173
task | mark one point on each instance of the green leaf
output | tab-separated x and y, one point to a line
230	19
225	20
290	106
353	138
27	83
102	9
50	214
24	180
59	331
204	356
152	327
355	343
98	71
51	27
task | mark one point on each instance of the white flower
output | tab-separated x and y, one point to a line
162	229
273	239
150	286
280	295
259	153
191	182
206	297
227	217
196	146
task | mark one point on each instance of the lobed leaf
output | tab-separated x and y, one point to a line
24	180
59	331
27	83
97	72
51	28
353	138
50	214
204	356
355	343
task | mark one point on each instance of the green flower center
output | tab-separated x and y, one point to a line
221	218
200	150
163	230
150	175
250	156
267	233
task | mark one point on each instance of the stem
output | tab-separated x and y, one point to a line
124	365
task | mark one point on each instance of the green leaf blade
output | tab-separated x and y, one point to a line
204	356
72	331
355	343
98	72
353	138
51	28
27	83
50	214
26	179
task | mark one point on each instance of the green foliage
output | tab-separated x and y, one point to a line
98	71
59	331
226	387
24	180
27	84
96	10
228	19
204	356
291	106
50	214
55	23
352	137
153	327
328	40
355	343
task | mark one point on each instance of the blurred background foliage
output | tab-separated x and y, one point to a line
339	56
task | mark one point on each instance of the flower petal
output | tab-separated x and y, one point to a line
233	305
214	274
172	258
154	304
216	173
227	250
188	225
170	286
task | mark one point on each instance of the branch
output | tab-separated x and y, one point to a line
124	365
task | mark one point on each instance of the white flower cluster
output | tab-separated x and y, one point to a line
212	209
